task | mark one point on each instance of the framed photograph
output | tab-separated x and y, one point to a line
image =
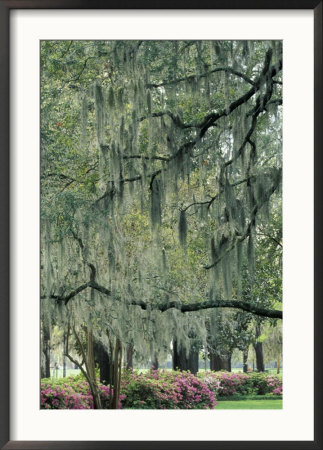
163	169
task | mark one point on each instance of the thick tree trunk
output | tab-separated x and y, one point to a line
245	360
182	362
259	357
259	352
102	358
129	357
220	362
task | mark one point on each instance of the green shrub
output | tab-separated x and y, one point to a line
229	383
158	389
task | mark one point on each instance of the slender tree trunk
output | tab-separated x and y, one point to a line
278	363
129	356
91	370
88	360
42	355
117	374
46	349
259	357
229	362
182	362
177	363
42	370
245	360
155	362
90	354
64	357
259	351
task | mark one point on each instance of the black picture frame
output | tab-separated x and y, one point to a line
5	7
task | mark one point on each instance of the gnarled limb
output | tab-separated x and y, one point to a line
187	307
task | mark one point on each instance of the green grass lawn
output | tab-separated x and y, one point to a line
58	373
251	402
270	371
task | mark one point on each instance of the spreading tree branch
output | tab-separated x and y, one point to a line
188	307
175	118
196	77
210	120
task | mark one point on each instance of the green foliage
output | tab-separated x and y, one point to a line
228	384
144	144
165	390
72	393
152	390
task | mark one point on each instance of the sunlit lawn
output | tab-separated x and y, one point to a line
270	371
58	373
250	404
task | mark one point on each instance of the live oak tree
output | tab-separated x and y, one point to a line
160	163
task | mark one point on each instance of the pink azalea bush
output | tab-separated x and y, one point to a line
63	397
72	393
152	390
267	384
229	383
158	389
278	390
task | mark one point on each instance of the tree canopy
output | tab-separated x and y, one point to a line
161	168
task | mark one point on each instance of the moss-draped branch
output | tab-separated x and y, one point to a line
182	307
211	119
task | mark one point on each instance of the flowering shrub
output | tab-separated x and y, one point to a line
229	383
152	390
72	393
159	389
63	397
266	384
278	391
